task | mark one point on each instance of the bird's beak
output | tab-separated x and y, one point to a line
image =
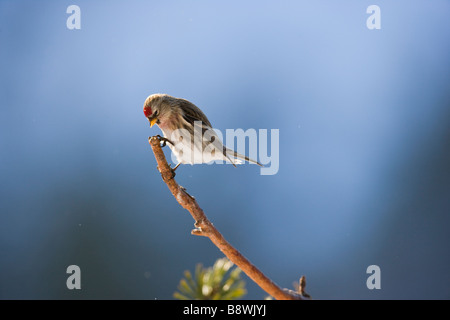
152	120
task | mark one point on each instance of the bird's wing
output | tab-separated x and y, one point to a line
192	113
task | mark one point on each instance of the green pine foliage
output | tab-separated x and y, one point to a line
219	282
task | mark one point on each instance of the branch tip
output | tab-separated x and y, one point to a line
198	232
301	287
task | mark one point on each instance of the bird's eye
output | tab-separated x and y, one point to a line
155	113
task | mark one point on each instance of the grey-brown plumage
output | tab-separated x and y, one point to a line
183	123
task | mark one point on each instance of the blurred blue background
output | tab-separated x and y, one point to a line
364	120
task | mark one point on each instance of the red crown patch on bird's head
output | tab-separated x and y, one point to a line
147	111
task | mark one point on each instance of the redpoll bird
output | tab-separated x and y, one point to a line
188	131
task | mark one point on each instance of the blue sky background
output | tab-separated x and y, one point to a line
364	120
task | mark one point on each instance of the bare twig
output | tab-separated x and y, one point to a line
203	227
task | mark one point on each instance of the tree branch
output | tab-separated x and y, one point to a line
205	228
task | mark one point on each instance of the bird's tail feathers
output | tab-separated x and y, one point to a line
238	158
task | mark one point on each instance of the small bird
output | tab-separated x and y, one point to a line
188	131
